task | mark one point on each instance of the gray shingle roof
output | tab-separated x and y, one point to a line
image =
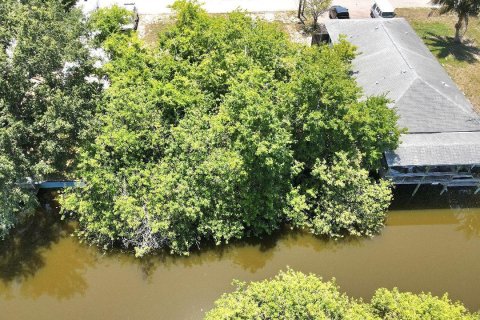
443	128
436	149
393	60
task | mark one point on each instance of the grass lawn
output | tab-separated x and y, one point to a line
462	61
286	19
152	30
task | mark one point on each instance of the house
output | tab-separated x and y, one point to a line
442	145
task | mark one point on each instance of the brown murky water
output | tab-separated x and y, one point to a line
51	276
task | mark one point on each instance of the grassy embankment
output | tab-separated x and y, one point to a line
462	61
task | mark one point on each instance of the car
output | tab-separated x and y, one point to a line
133	25
382	9
338	12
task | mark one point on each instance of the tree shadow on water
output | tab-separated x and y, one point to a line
250	254
39	259
443	46
21	252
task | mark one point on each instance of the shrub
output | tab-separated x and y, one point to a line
294	295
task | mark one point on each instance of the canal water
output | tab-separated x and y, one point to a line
430	243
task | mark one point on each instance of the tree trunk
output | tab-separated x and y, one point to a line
458	29
300	9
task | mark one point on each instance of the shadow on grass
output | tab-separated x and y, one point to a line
444	46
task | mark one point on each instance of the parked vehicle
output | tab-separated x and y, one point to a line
338	12
133	25
382	9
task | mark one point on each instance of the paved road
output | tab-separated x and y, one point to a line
361	8
358	8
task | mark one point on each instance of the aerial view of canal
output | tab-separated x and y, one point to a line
430	243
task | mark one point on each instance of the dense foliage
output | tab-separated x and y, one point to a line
315	8
227	130
340	199
46	104
294	295
108	21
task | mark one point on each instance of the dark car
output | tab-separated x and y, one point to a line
338	12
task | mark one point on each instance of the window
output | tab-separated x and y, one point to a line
419	170
441	169
399	170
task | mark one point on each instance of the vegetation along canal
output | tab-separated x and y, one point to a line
47	274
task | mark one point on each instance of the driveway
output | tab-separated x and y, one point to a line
361	8
358	8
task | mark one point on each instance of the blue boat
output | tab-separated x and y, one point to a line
59	184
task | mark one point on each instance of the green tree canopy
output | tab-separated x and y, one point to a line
315	8
108	21
46	104
340	199
392	304
294	295
212	136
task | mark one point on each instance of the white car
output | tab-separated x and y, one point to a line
382	9
136	18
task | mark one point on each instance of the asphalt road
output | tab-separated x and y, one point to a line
358	8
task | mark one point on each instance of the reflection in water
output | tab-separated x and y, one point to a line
20	254
429	197
307	240
64	277
469	223
460	200
25	254
250	255
46	274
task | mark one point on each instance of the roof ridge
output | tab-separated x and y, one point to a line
408	87
362	55
391	59
416	53
449	99
399	48
396	46
458	105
